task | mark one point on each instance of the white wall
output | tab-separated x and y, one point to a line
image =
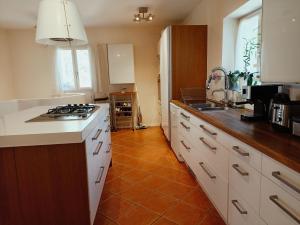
6	77
212	13
32	65
146	63
33	71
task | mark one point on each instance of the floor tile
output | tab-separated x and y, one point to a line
102	220
117	185
153	182
198	198
148	186
183	214
135	176
175	190
213	218
125	212
157	202
164	221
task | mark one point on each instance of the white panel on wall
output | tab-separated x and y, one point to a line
281	41
121	63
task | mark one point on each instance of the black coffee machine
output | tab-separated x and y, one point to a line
260	96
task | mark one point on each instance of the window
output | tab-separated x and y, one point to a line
74	69
248	44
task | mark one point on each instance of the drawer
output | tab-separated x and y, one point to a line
212	152
246	180
214	185
278	207
95	188
186	150
243	151
186	128
185	115
283	176
240	212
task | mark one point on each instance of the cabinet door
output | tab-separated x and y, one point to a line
165	80
9	201
281	35
52	184
121	63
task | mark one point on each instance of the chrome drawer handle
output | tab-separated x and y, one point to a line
97	135
207	130
236	204
109	148
185	126
207	171
98	148
213	149
107	129
239	170
107	119
278	176
185	116
185	146
100	175
241	152
275	200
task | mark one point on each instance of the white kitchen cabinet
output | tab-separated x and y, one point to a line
246	186
121	63
246	180
284	177
98	152
174	131
277	206
240	212
280	41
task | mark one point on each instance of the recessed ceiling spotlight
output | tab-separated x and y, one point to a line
143	15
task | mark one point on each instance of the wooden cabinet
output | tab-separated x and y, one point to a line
55	184
246	186
183	64
9	198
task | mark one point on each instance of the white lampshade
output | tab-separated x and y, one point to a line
59	24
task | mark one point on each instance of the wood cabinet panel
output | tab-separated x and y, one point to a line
189	58
53	184
9	207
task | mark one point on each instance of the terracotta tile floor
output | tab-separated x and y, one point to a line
147	185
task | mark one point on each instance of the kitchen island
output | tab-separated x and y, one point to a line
52	172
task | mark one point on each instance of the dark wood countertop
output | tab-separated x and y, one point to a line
280	146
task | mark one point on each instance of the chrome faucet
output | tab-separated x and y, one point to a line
226	84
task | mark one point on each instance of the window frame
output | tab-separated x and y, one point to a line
75	69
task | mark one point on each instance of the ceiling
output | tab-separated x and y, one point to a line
23	13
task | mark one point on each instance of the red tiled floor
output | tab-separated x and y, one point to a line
183	214
148	186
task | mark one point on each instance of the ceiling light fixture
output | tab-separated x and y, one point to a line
143	15
59	24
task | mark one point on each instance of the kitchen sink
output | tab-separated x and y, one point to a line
206	106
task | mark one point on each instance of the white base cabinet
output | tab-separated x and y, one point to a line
246	186
98	152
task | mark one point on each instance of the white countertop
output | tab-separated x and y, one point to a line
14	131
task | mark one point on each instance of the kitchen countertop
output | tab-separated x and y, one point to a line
15	132
280	146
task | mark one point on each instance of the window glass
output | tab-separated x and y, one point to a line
248	44
69	64
84	68
66	71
